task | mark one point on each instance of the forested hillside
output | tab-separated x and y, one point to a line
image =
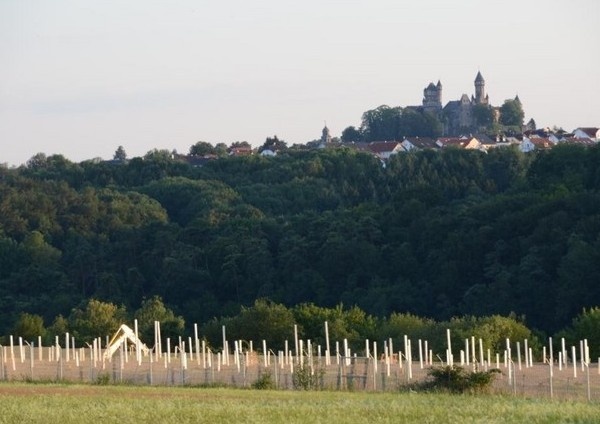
436	234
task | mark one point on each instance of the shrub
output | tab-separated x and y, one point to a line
303	379
102	379
264	382
458	380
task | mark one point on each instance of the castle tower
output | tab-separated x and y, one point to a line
480	96
432	98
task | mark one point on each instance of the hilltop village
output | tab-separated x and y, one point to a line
470	122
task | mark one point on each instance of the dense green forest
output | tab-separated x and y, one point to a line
436	234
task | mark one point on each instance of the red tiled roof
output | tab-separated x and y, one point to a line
541	143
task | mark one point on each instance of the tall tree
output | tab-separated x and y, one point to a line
382	123
351	134
120	154
202	148
511	114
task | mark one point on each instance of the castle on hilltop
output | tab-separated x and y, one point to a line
458	116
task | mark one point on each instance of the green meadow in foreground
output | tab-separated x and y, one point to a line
41	403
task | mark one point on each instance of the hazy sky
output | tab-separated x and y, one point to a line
81	77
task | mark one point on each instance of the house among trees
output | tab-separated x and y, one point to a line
592	133
418	143
385	149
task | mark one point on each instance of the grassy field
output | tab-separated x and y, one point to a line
48	403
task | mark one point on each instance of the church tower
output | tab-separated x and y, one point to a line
480	96
325	135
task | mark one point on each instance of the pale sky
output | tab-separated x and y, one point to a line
81	77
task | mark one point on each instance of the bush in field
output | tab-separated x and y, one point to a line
458	380
304	379
264	382
103	379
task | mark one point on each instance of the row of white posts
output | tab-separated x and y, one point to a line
304	349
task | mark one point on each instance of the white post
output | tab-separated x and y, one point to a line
21	350
526	350
296	341
138	351
309	354
449	351
530	358
375	356
286	347
197	343
225	353
406	346
264	347
169	350
574	354
327	348
160	350
409	360
67	346
420	354
519	355
346	352
387	358
582	355
481	363
466	352
427	356
473	352
564	350
544	354
560	362
12	352
40	348
367	350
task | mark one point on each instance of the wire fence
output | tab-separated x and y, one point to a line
559	380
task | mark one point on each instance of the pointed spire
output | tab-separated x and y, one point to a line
479	77
439	84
